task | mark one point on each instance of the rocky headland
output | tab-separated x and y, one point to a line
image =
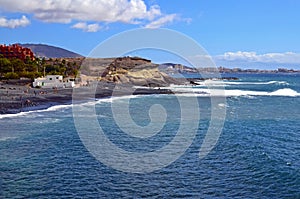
109	76
126	70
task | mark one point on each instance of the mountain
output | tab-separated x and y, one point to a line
42	50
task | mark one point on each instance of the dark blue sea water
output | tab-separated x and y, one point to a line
257	154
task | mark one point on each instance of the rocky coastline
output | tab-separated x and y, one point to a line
22	98
104	77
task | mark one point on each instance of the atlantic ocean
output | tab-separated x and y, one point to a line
256	156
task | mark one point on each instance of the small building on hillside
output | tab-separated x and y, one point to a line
53	81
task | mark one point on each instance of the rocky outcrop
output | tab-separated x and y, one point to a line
131	70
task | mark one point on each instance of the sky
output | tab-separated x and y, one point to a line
261	34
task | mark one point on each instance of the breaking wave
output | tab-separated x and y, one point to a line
62	107
218	83
52	108
286	92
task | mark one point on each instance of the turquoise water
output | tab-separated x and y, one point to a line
256	156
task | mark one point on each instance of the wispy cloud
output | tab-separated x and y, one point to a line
287	57
162	21
87	27
14	23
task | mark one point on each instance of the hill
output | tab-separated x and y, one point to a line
42	50
126	70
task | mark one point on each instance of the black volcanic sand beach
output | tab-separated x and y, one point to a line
16	98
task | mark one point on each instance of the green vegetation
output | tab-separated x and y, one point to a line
15	68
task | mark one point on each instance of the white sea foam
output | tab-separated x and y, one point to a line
286	92
185	90
222	105
6	138
86	107
52	108
222	84
114	98
213	88
225	82
13	115
57	107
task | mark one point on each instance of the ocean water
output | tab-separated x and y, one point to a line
257	155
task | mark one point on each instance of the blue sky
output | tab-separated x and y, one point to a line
236	33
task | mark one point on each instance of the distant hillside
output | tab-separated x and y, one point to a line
42	50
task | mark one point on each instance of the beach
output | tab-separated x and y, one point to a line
18	97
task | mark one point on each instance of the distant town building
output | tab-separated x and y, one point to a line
53	81
16	51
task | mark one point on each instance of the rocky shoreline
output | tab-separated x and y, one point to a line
16	98
23	98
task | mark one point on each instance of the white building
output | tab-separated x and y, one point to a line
53	81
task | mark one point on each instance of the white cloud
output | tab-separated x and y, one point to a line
14	23
248	56
87	27
162	21
287	57
64	11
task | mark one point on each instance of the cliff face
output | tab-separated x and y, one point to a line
127	70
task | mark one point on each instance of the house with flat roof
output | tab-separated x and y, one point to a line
53	81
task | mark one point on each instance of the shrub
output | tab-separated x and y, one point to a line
11	75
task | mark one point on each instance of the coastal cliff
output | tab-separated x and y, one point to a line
127	70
